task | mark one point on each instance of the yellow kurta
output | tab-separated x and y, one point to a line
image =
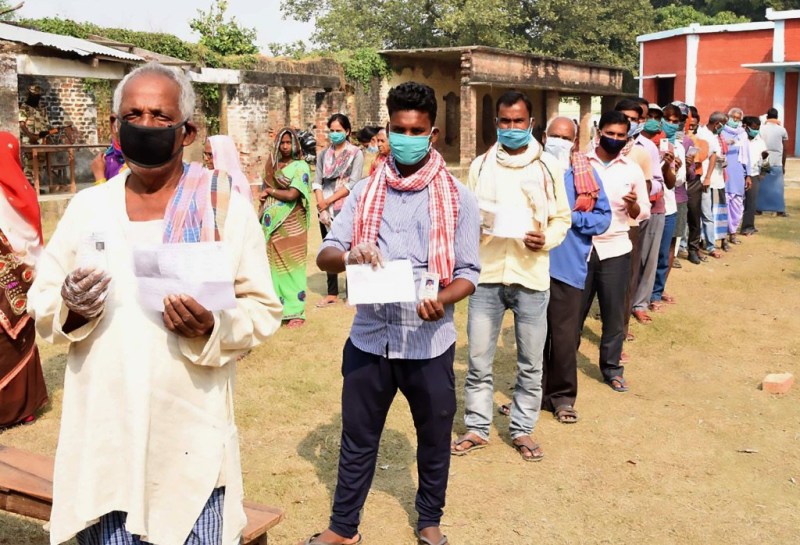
508	261
147	425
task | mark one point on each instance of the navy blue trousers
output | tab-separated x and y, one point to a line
370	385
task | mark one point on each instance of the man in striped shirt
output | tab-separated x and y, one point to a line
410	208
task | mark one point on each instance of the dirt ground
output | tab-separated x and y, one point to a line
662	464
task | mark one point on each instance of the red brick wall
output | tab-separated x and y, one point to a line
790	109
665	57
66	100
792	40
722	82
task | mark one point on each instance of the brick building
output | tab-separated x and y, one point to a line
752	66
469	80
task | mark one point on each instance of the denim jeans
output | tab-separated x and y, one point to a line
487	306
663	258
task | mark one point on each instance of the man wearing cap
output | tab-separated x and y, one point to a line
33	122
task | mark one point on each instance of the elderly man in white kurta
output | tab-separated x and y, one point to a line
148	450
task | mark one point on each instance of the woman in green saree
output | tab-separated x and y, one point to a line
285	220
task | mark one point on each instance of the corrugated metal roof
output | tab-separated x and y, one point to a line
69	44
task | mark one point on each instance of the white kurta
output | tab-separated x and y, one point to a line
147	425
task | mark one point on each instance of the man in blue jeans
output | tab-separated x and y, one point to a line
524	214
410	208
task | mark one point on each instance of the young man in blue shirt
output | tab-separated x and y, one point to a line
410	208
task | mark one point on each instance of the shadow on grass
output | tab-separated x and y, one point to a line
396	456
318	283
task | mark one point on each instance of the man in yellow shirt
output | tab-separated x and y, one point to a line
524	214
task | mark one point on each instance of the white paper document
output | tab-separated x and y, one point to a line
507	221
200	270
392	283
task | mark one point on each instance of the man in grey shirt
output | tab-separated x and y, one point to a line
770	195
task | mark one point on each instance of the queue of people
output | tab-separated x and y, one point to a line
604	222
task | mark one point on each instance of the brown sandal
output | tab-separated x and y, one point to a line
475	442
313	540
528	449
642	317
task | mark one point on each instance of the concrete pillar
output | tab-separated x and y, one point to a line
779	93
9	112
469	125
552	100
585	120
223	108
607	103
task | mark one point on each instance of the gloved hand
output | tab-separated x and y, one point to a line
84	292
325	218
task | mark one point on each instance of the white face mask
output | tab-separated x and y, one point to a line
560	148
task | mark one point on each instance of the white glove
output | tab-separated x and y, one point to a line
325	218
84	292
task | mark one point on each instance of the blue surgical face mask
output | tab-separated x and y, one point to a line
635	129
515	139
653	126
409	150
718	130
752	133
734	124
670	129
372	149
337	138
559	148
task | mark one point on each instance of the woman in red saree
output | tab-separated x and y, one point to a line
22	386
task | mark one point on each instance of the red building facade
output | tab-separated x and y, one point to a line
752	66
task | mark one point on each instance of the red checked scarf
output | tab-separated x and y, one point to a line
586	187
442	207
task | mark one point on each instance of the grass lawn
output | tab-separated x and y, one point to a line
660	464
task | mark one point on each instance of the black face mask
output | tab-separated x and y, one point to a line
612	145
148	147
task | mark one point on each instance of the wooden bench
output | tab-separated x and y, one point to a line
26	488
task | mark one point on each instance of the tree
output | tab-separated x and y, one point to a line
7	11
754	10
224	37
675	16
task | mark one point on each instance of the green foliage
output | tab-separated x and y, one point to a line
163	44
100	89
674	16
11	15
750	9
294	50
223	37
585	30
209	98
361	65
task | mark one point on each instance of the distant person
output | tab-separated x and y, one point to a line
737	170
108	163
339	168
22	388
713	196
33	120
369	147
383	151
759	164
286	218
220	153
770	194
